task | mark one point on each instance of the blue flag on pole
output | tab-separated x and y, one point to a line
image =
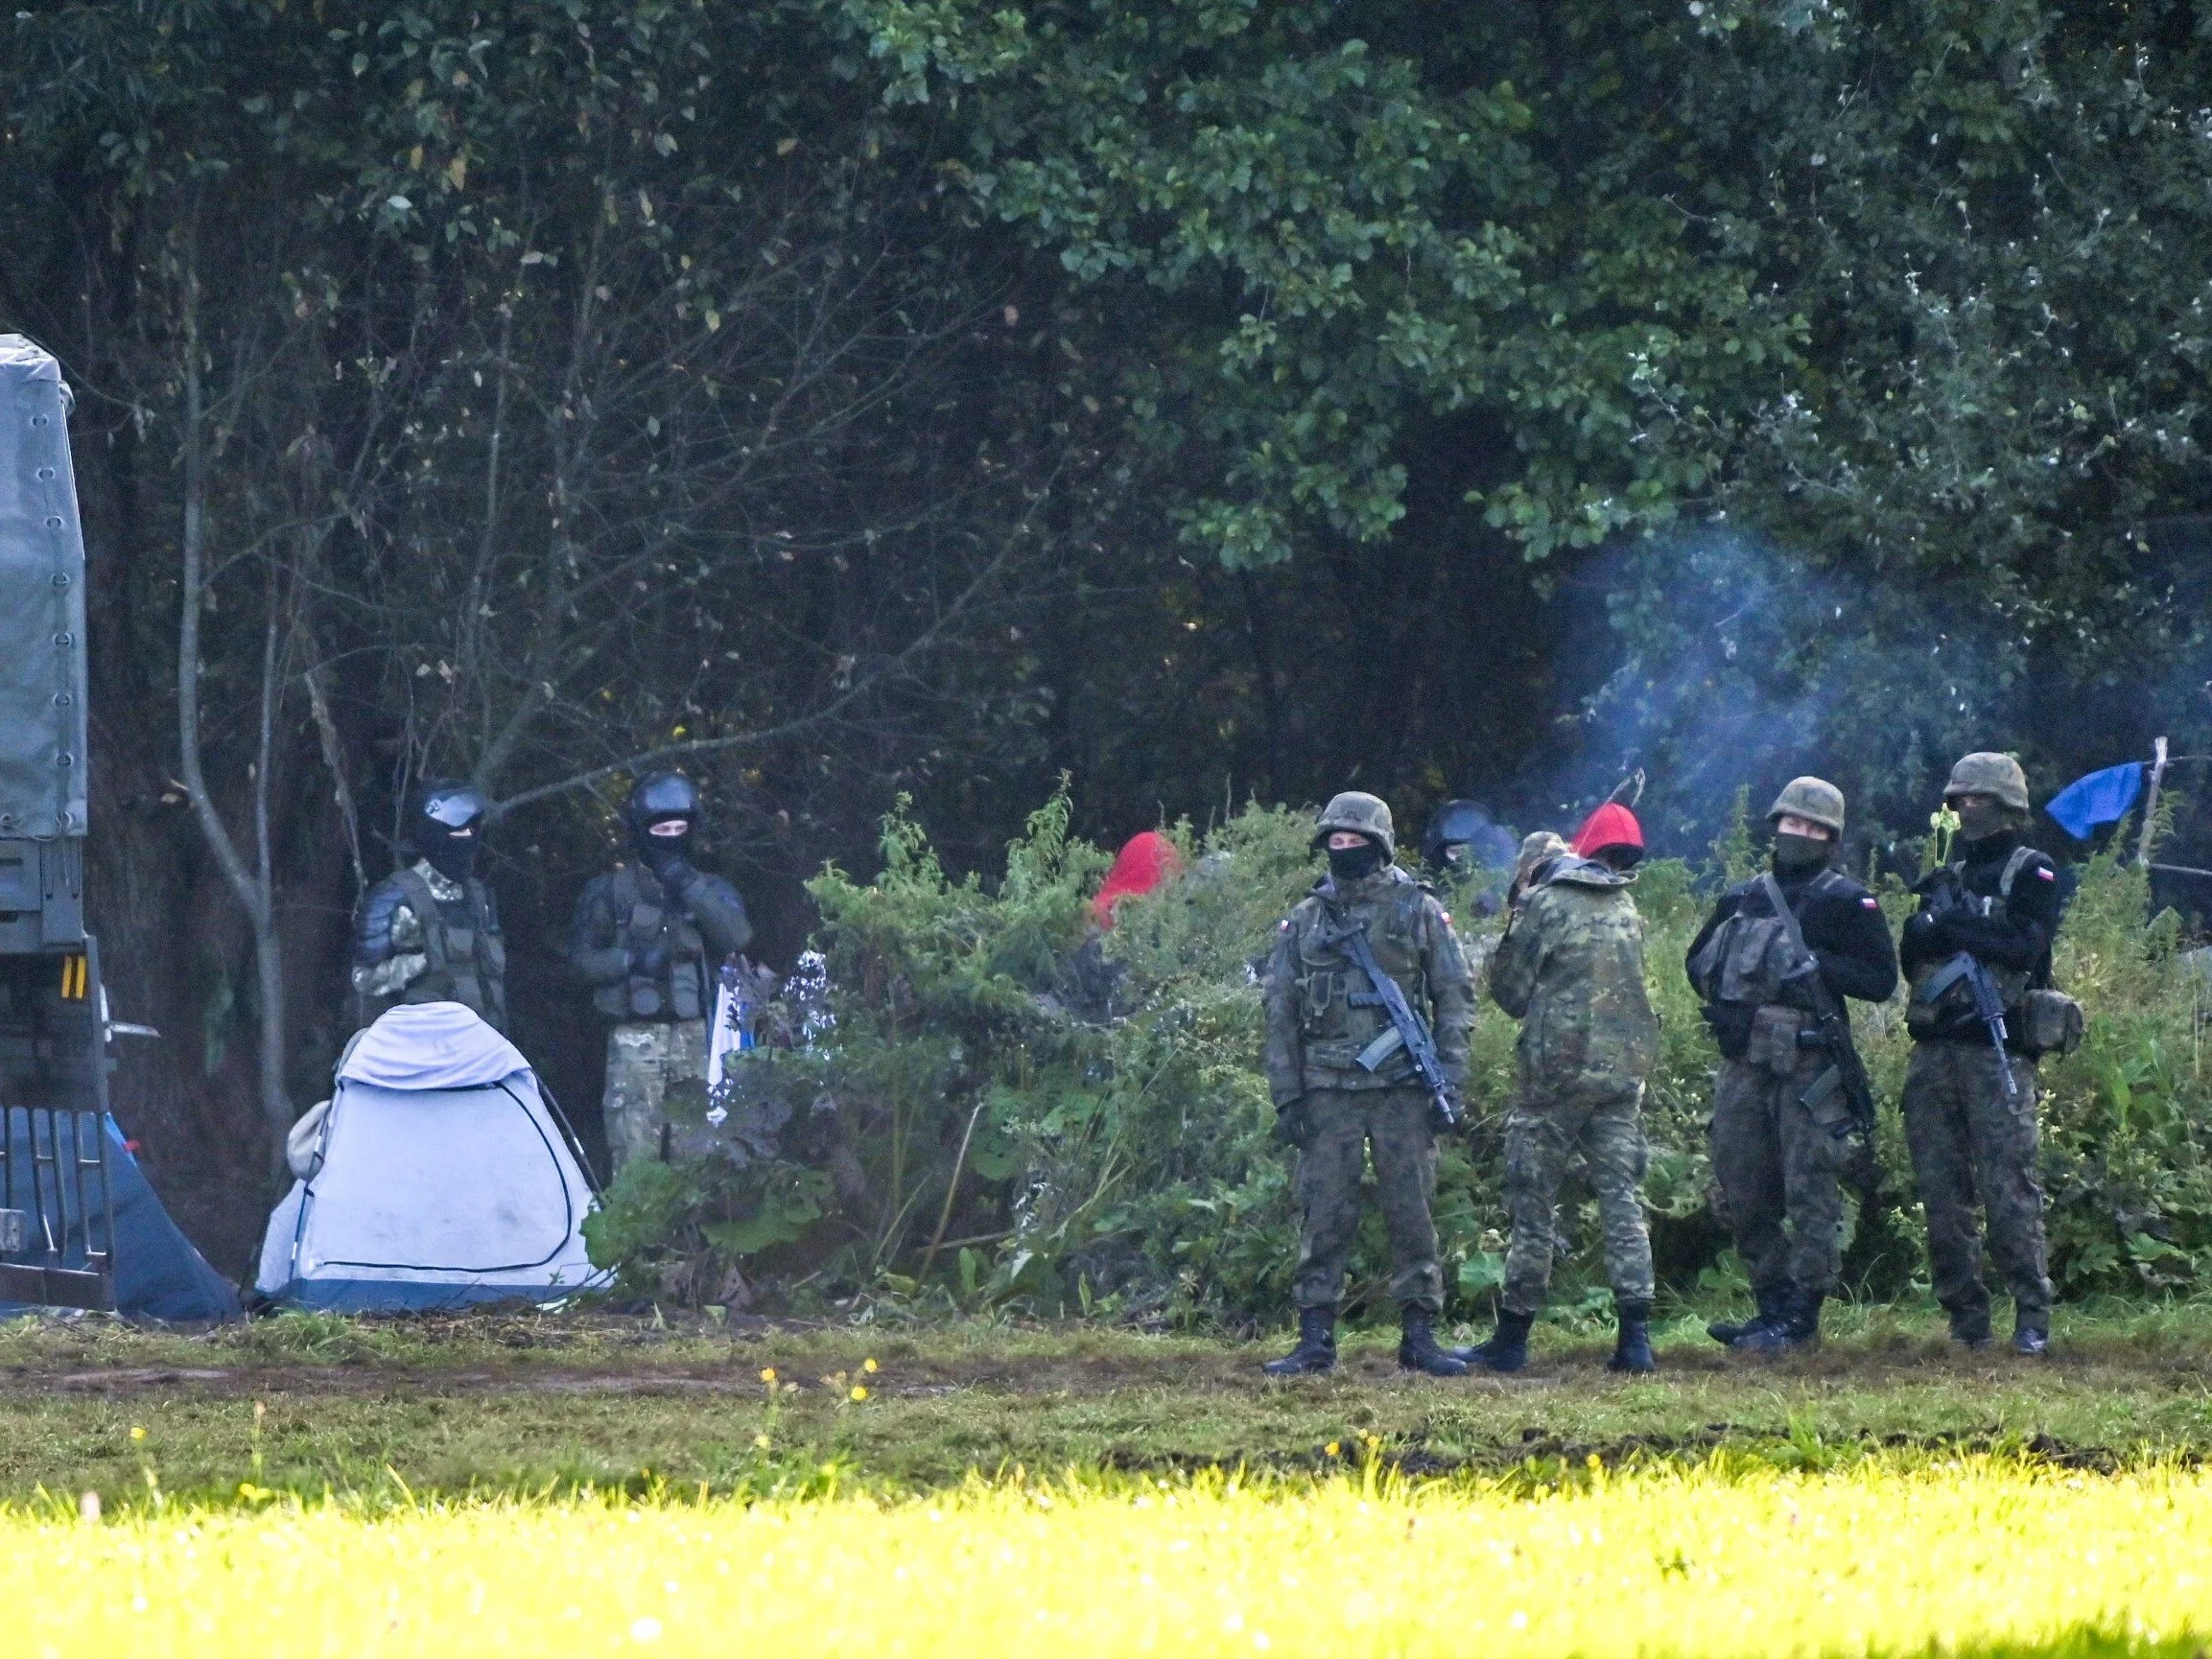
2101	798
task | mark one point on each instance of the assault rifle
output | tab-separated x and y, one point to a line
1407	1029
1846	1070
1940	894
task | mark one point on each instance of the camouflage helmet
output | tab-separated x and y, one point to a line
1815	800
1368	814
1989	774
1535	850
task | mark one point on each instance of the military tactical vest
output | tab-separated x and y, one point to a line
465	958
1334	1029
1751	954
1925	1012
648	918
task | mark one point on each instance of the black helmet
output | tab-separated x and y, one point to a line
451	806
662	795
1466	828
447	821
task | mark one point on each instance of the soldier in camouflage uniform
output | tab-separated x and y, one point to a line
1998	904
1779	1160
1570	969
649	938
428	932
1344	1087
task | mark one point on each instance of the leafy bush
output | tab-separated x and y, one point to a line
1009	1108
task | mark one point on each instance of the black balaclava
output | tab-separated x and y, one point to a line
447	826
1979	820
1796	854
663	800
1355	863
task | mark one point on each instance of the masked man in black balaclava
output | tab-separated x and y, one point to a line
649	939
1779	1160
429	932
1344	1086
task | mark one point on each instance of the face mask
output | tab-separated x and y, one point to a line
1354	863
1801	852
1979	820
452	856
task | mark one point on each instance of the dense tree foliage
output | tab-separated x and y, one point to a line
857	396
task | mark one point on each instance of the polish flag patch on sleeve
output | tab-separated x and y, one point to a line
2048	873
1869	904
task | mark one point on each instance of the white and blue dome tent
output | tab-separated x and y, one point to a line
438	1175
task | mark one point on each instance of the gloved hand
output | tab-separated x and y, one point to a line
1924	932
649	963
669	864
1292	1126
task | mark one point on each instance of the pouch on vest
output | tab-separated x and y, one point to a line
2051	1022
1773	1047
1323	991
1745	960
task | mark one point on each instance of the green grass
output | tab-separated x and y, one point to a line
509	1403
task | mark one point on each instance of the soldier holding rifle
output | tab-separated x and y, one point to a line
1978	954
1370	1005
1773	963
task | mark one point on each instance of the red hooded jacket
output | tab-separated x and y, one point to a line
1612	824
1142	865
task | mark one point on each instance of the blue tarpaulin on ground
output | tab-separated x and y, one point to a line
2101	798
158	1273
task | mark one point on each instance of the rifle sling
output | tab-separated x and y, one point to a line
1817	1091
1787	916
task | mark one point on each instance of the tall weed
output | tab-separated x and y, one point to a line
1017	1111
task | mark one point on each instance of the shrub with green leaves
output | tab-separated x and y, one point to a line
1013	1110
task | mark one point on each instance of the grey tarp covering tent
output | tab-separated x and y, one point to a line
42	731
437	1175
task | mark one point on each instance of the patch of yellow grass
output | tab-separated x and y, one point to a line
1684	1562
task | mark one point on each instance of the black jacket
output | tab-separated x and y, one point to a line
1844	929
2015	935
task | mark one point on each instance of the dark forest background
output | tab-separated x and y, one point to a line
1208	401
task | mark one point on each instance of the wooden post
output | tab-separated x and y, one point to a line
2151	801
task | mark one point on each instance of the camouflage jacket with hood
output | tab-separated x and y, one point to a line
1570	969
1314	1030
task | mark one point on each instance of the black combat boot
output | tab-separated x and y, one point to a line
1316	1349
1774	1304
1970	1326
1631	1349
2031	1333
1507	1349
1797	1331
1417	1350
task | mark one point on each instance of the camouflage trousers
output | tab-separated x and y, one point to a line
1542	1133
1343	1126
1968	1144
645	1058
1780	1174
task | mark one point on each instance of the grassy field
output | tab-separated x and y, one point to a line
531	1403
559	1484
1962	1556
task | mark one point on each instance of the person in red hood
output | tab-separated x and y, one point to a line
1612	836
1142	864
